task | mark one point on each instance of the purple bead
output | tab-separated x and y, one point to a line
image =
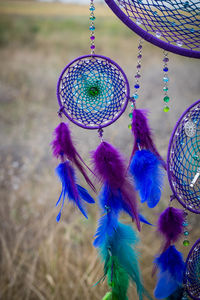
166	59
165	69
92	47
139	56
136	86
137	76
140	47
138	66
92	37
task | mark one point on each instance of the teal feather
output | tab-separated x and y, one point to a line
121	246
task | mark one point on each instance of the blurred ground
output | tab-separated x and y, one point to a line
40	259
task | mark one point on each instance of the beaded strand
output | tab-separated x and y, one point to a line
186	242
92	26
165	80
135	95
138	75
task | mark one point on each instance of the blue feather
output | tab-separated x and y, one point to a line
106	228
121	245
172	260
171	266
165	285
110	198
178	294
70	189
144	220
147	171
67	177
85	195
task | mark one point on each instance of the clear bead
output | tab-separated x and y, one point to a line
179	43
158	34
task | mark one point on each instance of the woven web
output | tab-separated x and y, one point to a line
184	159
100	75
192	272
174	21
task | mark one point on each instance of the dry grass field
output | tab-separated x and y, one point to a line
31	8
39	258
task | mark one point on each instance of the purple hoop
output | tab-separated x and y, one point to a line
187	263
177	196
148	36
126	95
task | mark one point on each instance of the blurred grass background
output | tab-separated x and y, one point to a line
40	259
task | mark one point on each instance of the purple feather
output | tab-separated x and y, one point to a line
143	134
130	200
170	224
63	147
109	165
110	169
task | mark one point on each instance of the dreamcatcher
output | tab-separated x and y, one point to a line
183	173
171	25
93	92
192	272
184	159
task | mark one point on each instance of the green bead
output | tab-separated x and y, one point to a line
132	105
186	243
92	18
129	126
186	233
166	99
165	89
93	91
131	115
166	109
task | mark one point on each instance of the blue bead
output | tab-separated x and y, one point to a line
92	28
135	96
136	86
165	79
92	8
186	4
185	224
165	69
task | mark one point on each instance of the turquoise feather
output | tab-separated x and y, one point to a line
121	246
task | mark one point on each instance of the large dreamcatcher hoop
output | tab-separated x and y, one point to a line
93	91
192	272
171	25
184	159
